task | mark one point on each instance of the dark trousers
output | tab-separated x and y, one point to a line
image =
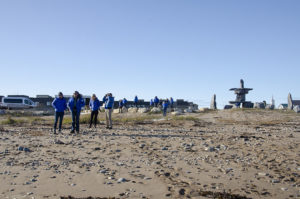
75	120
135	104
165	112
120	109
58	116
94	116
155	104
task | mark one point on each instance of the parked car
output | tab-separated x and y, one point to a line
17	103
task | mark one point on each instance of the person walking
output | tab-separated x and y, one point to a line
108	99
75	105
156	101
60	105
165	105
136	100
94	106
120	106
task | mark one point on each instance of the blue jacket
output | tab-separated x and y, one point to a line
156	100
165	105
136	99
124	101
151	102
94	104
109	102
120	103
79	104
60	105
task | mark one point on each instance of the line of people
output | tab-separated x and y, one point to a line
76	103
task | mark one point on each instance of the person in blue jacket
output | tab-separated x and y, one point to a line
151	103
165	105
120	106
75	104
125	102
136	100
60	105
108	100
172	102
156	101
94	107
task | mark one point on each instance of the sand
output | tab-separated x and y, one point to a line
221	154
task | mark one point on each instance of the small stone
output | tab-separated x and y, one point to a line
102	171
20	148
262	174
182	192
275	181
209	149
284	189
142	146
58	142
121	180
164	149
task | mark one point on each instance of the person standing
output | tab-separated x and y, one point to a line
165	105
108	99
171	102
120	105
136	100
156	101
151	103
75	105
94	106
125	102
60	105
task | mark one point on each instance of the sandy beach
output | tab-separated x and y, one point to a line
217	154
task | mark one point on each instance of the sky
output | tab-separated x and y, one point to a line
185	49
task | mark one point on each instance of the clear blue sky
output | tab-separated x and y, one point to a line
187	49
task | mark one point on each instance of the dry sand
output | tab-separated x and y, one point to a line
222	154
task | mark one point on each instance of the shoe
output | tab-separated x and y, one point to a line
107	127
59	131
77	132
90	126
72	132
54	131
110	127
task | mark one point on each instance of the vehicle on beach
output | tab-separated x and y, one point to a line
17	103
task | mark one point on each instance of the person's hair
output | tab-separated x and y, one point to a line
60	94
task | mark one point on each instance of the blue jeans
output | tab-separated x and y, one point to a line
60	116
75	120
165	111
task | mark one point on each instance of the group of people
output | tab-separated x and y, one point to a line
76	103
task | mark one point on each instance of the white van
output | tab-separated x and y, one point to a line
17	103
